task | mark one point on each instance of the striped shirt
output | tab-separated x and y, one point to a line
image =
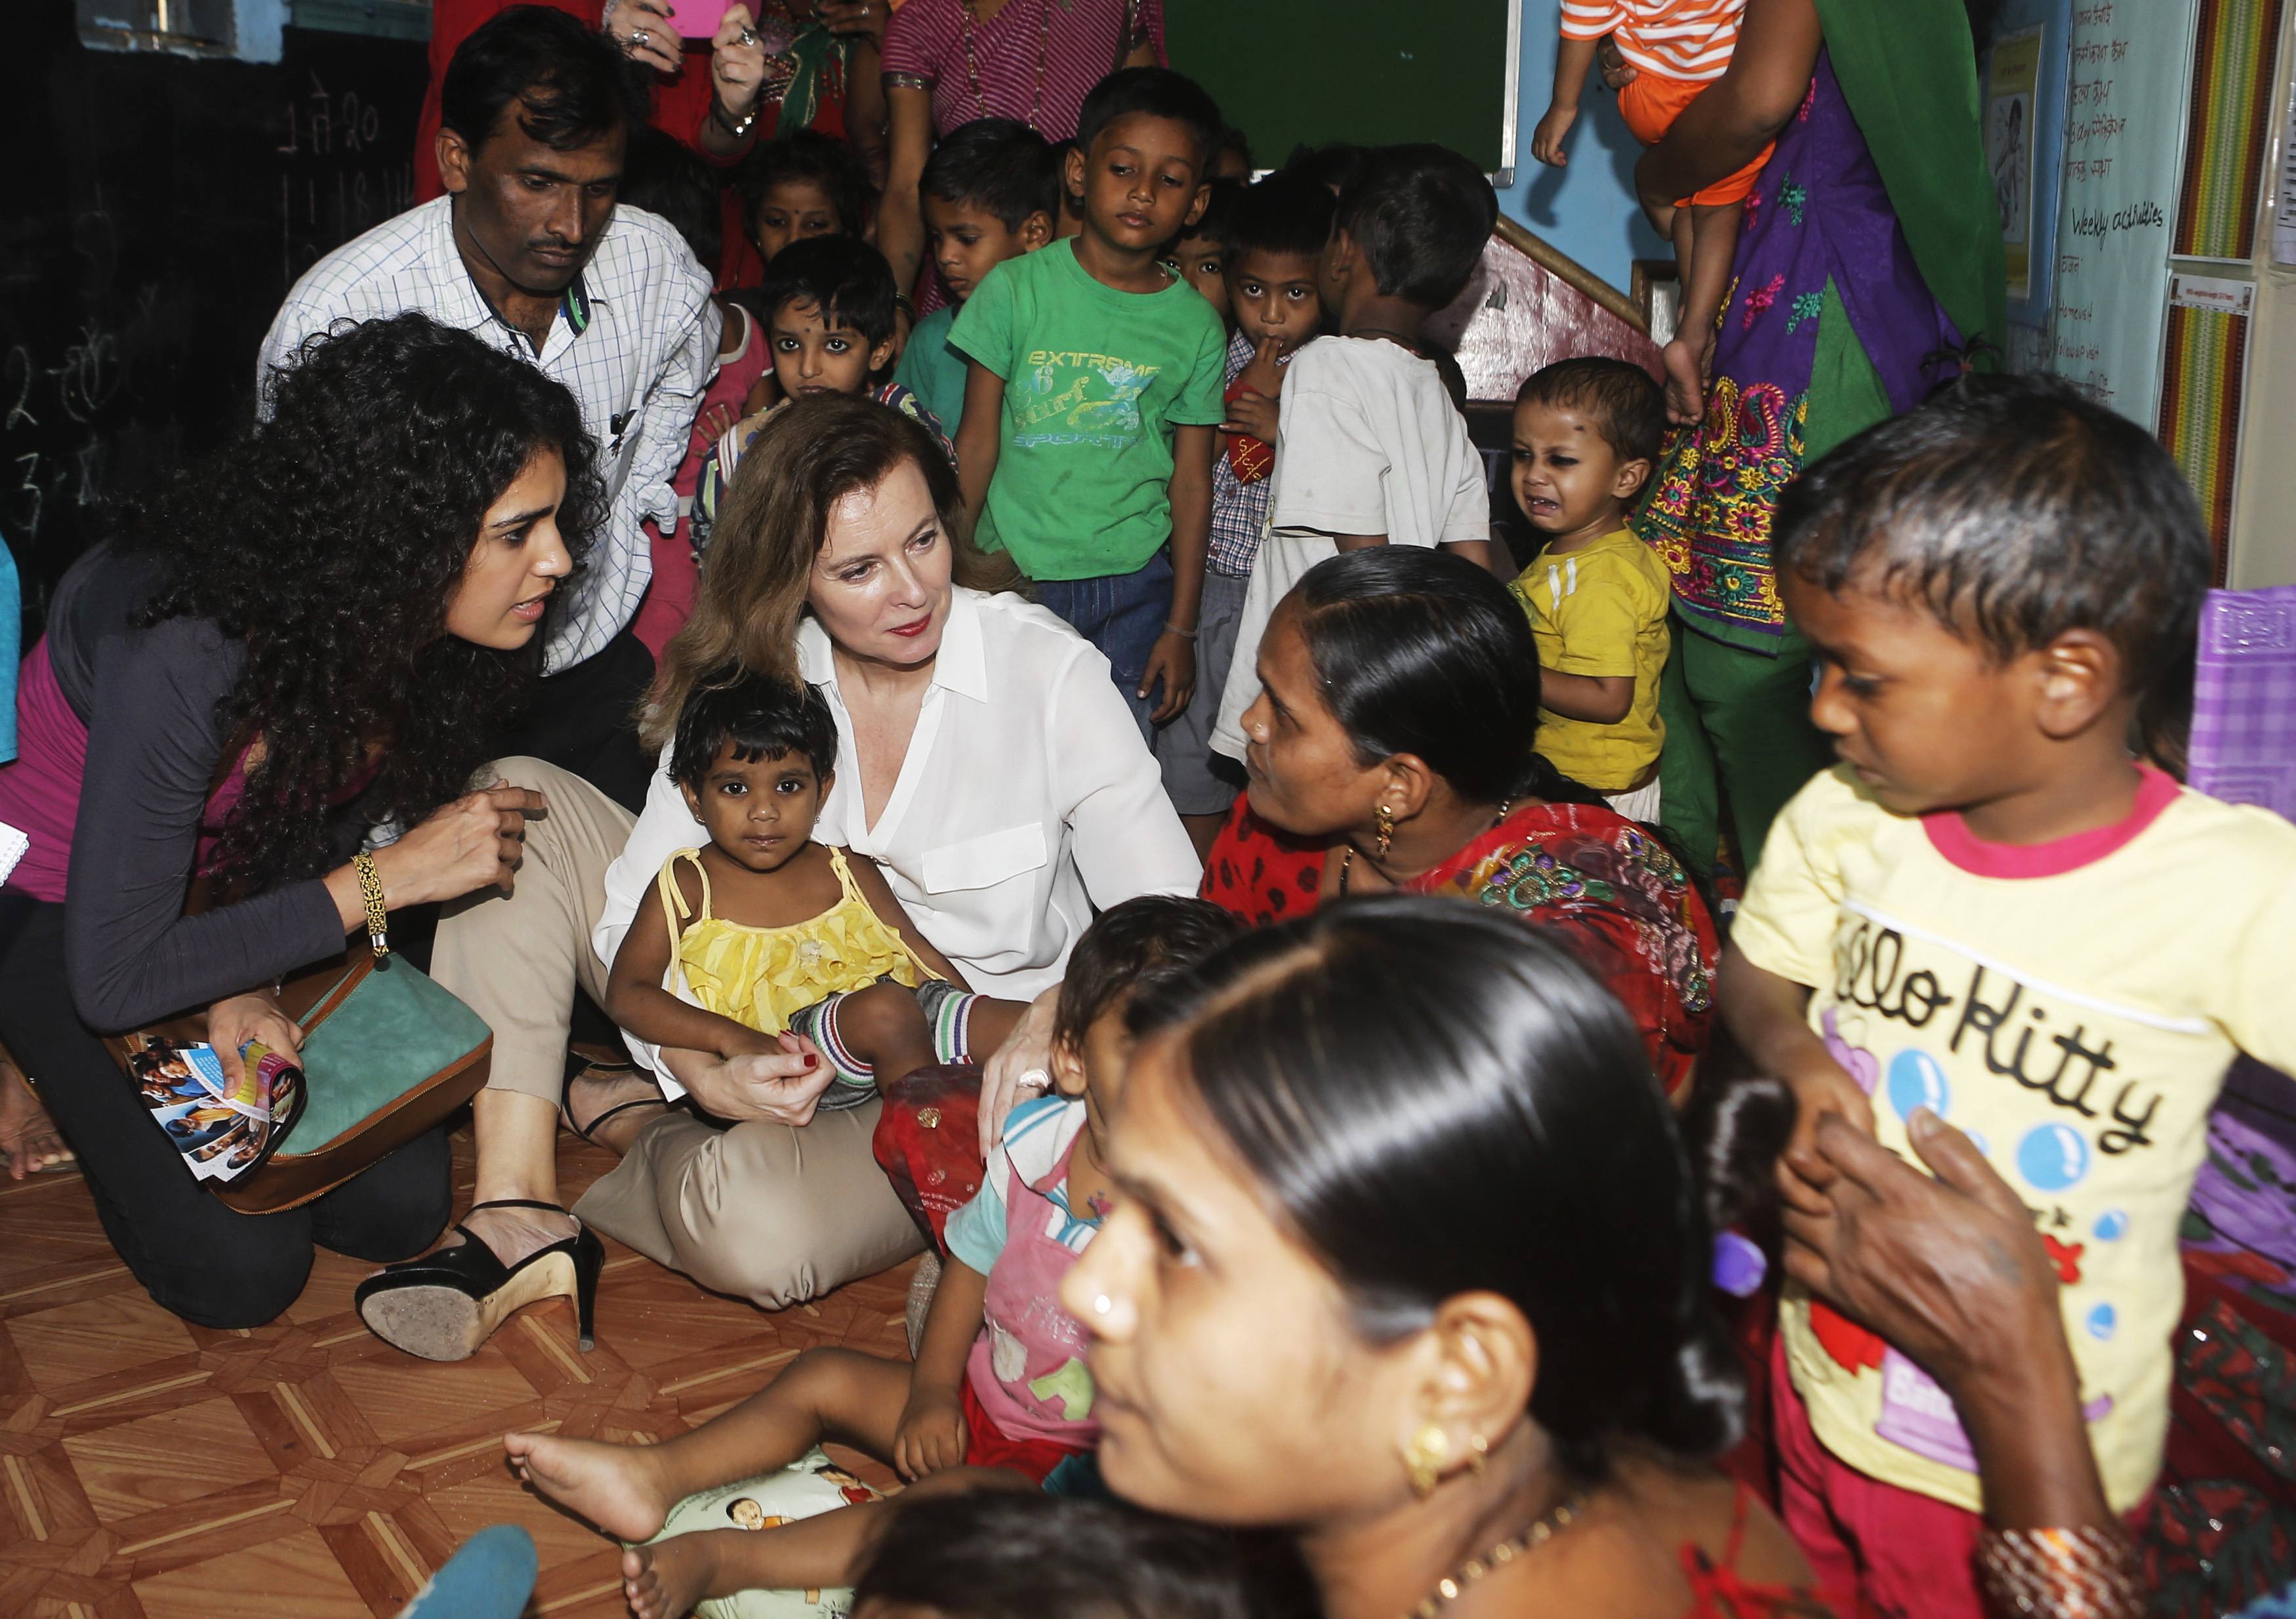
635	343
1036	60
1680	39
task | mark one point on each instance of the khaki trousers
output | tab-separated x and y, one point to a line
760	1211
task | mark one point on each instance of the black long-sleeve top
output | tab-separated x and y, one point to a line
155	739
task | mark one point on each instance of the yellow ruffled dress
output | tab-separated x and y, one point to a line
759	976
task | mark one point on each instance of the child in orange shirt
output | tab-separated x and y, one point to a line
1676	48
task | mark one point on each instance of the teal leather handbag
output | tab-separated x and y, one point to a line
386	1055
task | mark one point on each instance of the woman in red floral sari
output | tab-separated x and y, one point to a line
1391	748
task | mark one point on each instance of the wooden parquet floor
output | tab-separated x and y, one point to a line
150	1469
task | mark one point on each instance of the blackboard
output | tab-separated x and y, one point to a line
1370	71
157	208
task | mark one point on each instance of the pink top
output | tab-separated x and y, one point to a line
1036	60
1951	837
669	598
39	793
1027	1368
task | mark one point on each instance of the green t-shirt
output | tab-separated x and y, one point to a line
1095	380
929	370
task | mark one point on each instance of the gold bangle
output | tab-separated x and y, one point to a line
378	914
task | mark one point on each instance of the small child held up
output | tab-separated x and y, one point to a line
990	192
1676	48
999	1381
784	944
1998	911
1093	396
1587	433
1369	449
828	307
1274	241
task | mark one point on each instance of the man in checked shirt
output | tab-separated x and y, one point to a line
527	251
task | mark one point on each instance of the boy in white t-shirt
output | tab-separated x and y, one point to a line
1369	449
1994	913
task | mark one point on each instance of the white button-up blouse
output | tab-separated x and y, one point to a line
1026	799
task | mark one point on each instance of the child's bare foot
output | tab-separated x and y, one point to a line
1686	380
29	1140
616	1487
664	1580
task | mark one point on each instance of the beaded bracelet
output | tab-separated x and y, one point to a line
2088	1573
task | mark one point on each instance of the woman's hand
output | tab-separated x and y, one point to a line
1950	1270
1952	1273
474	842
241	1018
931	1435
643	30
1021	1068
784	1085
737	64
867	17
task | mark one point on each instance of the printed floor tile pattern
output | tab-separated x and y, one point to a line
150	1469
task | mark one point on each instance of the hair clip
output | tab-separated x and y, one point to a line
1739	1265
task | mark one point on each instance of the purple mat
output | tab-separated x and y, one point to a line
2243	747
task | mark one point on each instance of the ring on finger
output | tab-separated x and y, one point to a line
749	35
639	38
1035	1078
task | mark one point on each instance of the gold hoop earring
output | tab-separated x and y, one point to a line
1382	819
1423	1458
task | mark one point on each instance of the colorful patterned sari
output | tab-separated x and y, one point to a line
1606	885
1828	327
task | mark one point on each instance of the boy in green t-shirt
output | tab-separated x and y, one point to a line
1093	397
1586	435
990	192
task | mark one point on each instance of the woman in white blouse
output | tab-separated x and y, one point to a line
985	761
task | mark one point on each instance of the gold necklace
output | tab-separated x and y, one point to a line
1551	1523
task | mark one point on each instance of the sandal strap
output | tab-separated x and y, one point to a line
515	1202
590	1133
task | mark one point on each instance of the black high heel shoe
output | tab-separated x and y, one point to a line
445	1305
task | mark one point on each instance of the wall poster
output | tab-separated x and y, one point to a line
2125	123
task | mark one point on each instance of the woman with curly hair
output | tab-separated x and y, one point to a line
316	634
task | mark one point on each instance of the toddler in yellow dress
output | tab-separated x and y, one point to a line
777	943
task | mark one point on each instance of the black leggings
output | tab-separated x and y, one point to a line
206	1264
